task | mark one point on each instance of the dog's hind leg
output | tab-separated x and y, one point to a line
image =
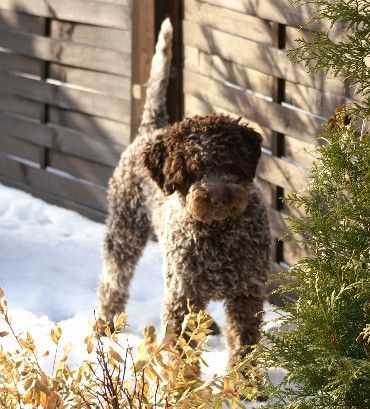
128	232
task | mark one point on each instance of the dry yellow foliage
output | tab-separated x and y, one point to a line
163	374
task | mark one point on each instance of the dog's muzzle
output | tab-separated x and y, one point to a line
215	201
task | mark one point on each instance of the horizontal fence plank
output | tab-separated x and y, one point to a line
27	129
22	22
61	139
12	62
219	69
272	115
279	11
312	100
21	106
294	252
281	173
66	97
120	2
299	151
101	129
55	200
110	38
21	148
64	52
229	21
112	85
83	11
78	167
260	57
85	194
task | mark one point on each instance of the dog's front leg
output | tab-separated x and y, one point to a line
243	319
177	299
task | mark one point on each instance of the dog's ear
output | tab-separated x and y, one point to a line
166	164
154	157
252	150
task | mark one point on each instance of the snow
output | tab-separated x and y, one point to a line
50	263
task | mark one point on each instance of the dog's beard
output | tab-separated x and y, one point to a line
200	207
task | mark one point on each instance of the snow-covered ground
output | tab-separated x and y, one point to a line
50	262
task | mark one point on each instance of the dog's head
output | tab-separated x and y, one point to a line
210	161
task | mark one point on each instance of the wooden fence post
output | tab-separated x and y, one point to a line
147	16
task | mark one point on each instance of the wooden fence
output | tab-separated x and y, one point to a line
68	67
65	105
235	62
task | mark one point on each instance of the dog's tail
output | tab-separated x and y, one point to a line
155	110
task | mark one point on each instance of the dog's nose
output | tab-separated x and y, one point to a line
218	198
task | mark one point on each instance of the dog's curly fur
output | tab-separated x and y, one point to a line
192	184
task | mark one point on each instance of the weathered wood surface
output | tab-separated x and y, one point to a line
22	149
110	38
61	139
229	21
259	57
12	62
20	106
66	97
112	85
279	11
83	11
71	189
101	129
22	22
269	114
93	214
65	52
81	168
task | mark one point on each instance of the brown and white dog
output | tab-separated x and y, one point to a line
191	183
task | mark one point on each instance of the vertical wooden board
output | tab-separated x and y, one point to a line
143	15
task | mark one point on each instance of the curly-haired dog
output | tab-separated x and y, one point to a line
192	184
